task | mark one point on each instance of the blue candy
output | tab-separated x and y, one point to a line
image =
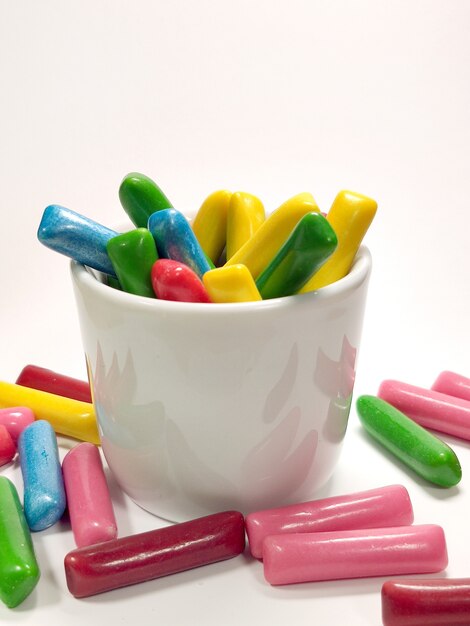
77	237
44	493
175	240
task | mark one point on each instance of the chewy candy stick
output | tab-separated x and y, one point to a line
15	420
19	571
140	197
245	216
43	379
453	384
7	446
232	283
172	280
210	223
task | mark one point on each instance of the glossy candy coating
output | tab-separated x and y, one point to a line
309	245
77	237
210	223
7	446
19	571
427	455
175	240
156	553
452	384
44	494
88	500
429	408
374	508
67	417
133	255
426	602
44	379
232	283
172	280
140	196
245	215
15	420
350	217
311	557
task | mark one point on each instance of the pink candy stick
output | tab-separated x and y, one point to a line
7	446
374	508
15	420
453	385
429	408
310	557
89	503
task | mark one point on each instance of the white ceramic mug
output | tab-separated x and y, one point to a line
207	407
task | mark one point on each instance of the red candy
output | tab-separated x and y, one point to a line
46	380
172	280
7	446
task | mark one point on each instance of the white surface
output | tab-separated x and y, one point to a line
272	98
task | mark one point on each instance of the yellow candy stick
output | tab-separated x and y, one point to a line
258	251
66	416
245	216
350	216
210	223
231	284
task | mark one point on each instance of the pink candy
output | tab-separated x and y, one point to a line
15	420
453	385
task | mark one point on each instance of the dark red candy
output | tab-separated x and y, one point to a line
46	380
138	558
172	280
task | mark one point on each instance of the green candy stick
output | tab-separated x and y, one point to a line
309	245
132	255
423	452
140	197
19	571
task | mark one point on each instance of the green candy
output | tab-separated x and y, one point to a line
426	454
132	255
19	571
140	197
309	245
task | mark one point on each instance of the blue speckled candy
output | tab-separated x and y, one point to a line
77	237
44	493
175	240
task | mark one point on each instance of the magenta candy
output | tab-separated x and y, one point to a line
452	384
16	419
7	446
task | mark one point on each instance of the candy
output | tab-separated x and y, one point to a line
88	500
19	571
427	455
140	197
172	280
232	283
258	251
7	446
68	417
426	602
43	379
77	237
429	408
350	216
311	557
15	420
156	553
245	215
175	240
133	255
374	508
44	494
310	244
210	223
453	385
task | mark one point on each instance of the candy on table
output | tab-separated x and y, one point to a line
77	237
15	419
232	283
309	245
140	196
350	216
311	557
156	553
43	379
7	446
88	500
133	255
19	571
68	417
44	494
172	280
245	216
426	602
210	223
453	384
258	251
374	508
427	455
429	408
175	240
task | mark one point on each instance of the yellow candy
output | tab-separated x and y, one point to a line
210	223
66	416
231	284
350	216
258	251
245	216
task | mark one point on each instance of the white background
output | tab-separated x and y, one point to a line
273	98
